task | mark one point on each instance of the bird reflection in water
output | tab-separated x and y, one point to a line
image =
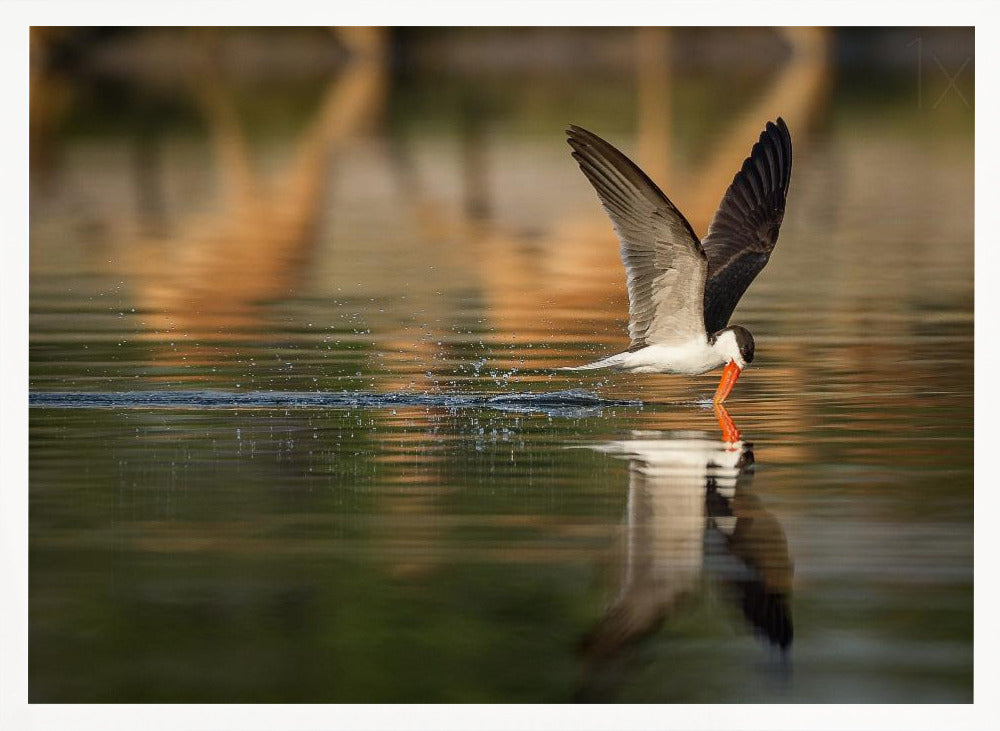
690	516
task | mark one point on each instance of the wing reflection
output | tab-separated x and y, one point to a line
691	516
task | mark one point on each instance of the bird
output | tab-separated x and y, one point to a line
681	290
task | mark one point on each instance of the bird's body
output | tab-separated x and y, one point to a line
682	290
691	358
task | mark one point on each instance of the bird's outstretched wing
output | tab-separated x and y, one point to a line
664	261
745	228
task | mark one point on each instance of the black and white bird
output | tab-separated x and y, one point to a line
682	291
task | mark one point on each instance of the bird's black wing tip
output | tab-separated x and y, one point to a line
577	133
775	134
781	128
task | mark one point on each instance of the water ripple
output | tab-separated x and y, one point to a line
572	402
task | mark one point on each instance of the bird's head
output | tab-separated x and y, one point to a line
735	345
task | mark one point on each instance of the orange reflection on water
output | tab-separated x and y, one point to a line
206	282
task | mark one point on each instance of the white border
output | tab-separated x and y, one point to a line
16	16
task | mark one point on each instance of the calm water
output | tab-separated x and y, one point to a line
295	434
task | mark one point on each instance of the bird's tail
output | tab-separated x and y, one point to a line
613	361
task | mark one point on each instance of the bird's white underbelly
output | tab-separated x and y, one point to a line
688	358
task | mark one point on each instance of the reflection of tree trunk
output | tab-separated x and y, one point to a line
474	170
256	243
795	95
48	100
654	103
349	106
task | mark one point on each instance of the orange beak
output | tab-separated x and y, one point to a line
729	376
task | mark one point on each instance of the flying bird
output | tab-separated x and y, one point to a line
682	291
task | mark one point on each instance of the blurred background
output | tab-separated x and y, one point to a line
395	210
233	182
